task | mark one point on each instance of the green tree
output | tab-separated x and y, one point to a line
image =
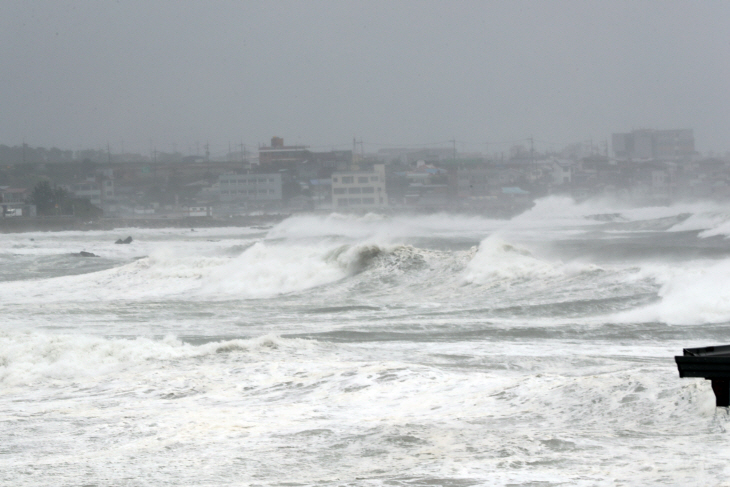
81	208
61	200
43	198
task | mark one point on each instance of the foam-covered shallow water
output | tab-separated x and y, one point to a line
368	350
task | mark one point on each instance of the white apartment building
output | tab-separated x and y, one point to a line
359	190
250	187
90	190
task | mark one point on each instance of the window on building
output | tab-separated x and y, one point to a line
354	201
353	190
334	180
342	202
338	190
362	179
348	179
373	178
368	201
368	189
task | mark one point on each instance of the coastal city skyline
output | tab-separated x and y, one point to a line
364	243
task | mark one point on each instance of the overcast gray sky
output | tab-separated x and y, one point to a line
76	74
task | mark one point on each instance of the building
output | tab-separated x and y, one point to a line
12	202
280	156
191	211
90	190
562	172
13	195
409	155
359	190
259	188
654	144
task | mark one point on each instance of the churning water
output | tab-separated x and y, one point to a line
369	351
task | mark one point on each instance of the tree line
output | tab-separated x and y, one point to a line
56	201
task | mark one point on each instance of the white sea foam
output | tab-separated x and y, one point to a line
31	358
327	413
384	229
266	270
500	261
376	358
689	294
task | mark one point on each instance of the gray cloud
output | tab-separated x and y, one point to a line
78	74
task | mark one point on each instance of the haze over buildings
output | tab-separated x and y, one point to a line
140	77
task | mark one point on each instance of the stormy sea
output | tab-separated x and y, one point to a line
368	350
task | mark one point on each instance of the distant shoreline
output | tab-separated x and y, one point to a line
70	223
61	224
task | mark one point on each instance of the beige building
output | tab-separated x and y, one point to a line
359	190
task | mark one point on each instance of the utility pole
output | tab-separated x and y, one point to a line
532	151
207	151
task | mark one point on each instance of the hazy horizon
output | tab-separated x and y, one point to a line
171	75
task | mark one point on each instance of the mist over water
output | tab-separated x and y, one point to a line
368	350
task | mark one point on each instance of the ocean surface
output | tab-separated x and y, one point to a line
342	350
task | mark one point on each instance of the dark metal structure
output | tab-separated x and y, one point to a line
711	363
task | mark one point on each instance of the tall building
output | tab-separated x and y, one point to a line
654	144
359	190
